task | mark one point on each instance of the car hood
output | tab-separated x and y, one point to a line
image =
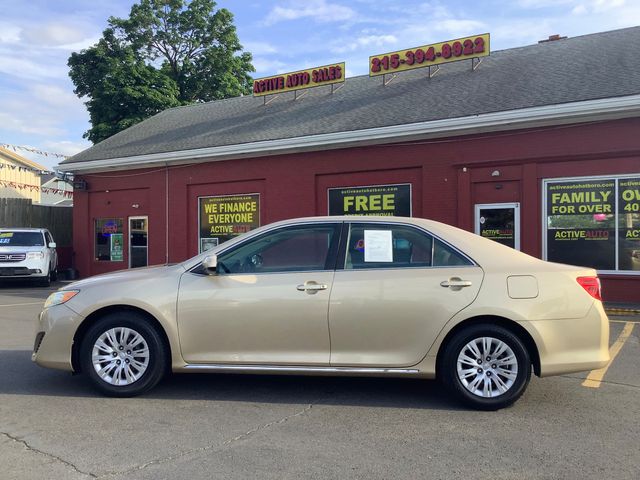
126	276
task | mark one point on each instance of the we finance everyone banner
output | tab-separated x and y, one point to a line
223	217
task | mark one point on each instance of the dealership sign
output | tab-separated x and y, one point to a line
372	200
226	216
288	82
428	55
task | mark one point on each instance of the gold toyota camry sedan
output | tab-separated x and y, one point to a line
383	296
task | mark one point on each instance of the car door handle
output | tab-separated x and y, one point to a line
456	283
311	287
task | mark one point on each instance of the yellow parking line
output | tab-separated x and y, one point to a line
624	321
19	304
595	376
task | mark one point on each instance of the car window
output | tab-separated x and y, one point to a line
21	239
289	249
48	237
387	246
445	256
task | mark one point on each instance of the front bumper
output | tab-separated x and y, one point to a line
53	343
19	272
24	268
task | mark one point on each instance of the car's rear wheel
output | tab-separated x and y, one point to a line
123	354
486	366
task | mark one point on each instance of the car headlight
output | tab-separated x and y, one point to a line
35	255
60	297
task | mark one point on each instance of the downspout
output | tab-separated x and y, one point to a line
166	212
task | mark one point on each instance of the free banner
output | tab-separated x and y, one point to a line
226	216
383	200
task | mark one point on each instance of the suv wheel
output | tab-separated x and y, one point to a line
45	281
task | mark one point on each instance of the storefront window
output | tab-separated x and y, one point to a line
109	240
594	222
629	224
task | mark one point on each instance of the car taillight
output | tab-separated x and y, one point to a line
591	285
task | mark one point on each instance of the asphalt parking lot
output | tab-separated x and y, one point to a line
52	425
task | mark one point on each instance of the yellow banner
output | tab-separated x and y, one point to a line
444	52
309	78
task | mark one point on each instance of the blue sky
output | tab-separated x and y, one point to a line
39	109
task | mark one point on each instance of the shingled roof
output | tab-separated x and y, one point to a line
589	67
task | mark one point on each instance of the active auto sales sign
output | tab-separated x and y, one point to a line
288	82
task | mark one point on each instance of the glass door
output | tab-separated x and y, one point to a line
138	241
499	222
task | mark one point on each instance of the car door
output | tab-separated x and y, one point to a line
268	303
394	290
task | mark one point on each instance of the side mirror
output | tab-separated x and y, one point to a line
210	264
52	244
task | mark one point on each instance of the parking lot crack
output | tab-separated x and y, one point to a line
267	425
205	448
46	454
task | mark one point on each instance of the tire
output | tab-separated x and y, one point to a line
492	384
141	356
45	281
54	275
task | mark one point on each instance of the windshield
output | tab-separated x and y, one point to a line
21	239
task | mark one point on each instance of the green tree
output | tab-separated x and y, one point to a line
167	53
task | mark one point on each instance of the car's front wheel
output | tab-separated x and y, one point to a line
486	366
123	354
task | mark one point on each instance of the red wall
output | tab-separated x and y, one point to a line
448	177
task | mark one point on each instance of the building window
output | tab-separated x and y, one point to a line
109	240
593	222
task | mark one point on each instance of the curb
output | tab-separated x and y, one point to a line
621	311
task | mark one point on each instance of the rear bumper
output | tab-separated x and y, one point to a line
572	345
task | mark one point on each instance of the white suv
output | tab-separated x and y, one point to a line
28	253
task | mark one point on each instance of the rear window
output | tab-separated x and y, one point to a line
21	239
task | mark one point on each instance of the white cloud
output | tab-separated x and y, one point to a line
79	45
266	66
66	147
55	96
259	48
319	10
9	33
29	124
53	34
364	41
18	65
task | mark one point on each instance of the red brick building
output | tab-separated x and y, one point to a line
539	148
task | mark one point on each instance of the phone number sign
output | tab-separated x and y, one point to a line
435	54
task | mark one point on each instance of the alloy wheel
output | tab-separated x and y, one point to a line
487	367
120	356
